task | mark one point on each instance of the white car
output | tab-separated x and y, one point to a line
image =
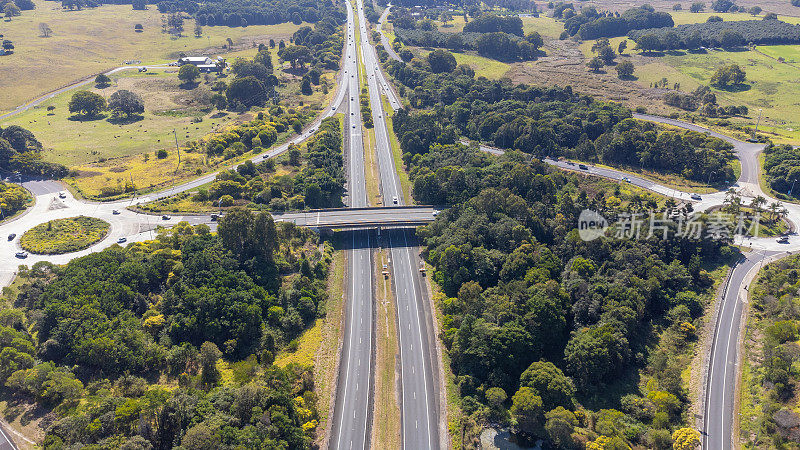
696	197
394	200
122	240
22	255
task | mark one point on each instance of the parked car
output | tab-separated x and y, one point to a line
12	236
22	255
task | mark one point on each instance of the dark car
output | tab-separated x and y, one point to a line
583	167
165	217
12	236
21	255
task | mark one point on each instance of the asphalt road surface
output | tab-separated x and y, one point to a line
418	386
352	418
5	441
384	40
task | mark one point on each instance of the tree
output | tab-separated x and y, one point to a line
697	7
560	424
247	235
102	81
677	7
550	383
648	43
624	69
535	39
247	91
722	5
755	10
139	5
607	55
595	64
623	44
406	55
11	10
296	55
770	16
44	30
188	73
305	86
125	103
87	104
198	30
441	61
730	39
728	75
526	408
219	101
685	439
209	354
445	17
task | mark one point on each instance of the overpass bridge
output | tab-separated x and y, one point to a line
345	218
355	218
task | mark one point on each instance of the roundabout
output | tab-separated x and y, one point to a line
66	235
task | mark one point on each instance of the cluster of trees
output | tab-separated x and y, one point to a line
6	46
782	167
704	101
170	309
235	13
728	76
491	36
318	181
776	317
492	23
123	104
13	198
324	44
20	151
547	123
590	24
717	34
536	322
255	135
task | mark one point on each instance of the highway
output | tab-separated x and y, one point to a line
352	418
384	40
418	361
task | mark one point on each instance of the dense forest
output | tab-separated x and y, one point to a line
565	340
21	151
235	13
770	351
171	341
590	24
782	167
546	122
717	34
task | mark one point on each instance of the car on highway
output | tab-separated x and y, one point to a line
21	255
115	212
122	240
62	194
626	179
783	240
165	217
394	200
696	197
12	236
583	167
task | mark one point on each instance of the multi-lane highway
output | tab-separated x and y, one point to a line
353	408
419	405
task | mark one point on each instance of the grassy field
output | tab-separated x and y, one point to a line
771	86
64	235
97	39
386	421
546	26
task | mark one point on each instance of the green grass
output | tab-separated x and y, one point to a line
64	235
73	142
771	85
486	67
790	53
546	26
96	39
